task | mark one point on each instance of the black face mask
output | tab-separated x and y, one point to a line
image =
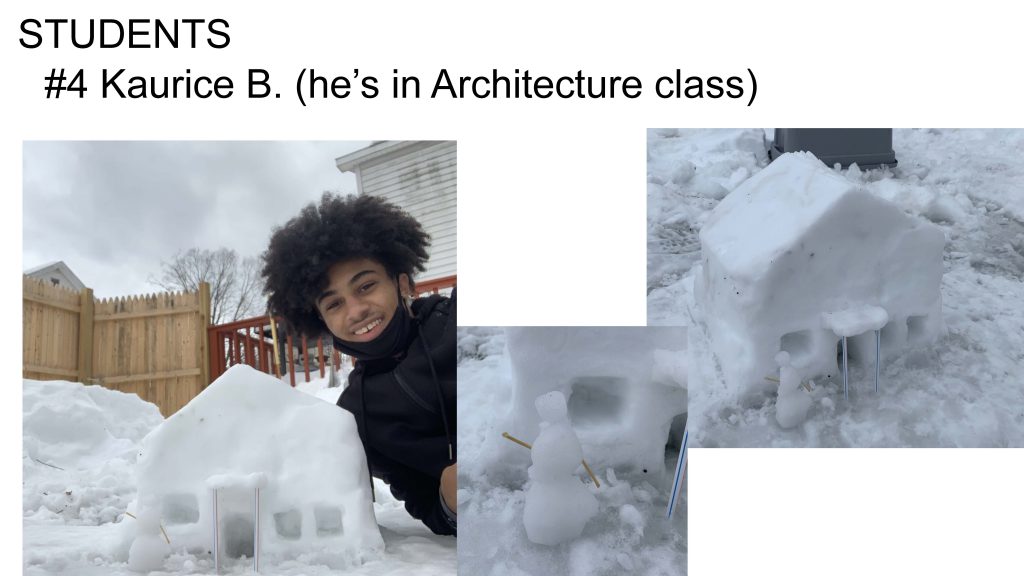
391	342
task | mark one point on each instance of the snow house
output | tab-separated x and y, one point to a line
248	430
625	388
796	258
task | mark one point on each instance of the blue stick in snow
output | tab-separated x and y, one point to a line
878	355
846	374
677	483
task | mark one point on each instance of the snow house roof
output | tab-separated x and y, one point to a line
228	427
773	210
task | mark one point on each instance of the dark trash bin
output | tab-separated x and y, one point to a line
868	147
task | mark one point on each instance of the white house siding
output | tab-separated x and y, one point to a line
421	178
58	274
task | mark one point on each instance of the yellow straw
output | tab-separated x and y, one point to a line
590	472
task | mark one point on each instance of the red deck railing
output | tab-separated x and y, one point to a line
251	342
435	286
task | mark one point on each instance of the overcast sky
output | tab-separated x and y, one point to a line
114	210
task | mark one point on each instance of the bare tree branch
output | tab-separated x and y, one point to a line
235	284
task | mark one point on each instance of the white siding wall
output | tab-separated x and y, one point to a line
62	277
422	180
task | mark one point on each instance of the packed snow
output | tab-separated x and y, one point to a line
951	362
82	473
624	388
835	262
792	404
506	504
246	431
558	505
149	549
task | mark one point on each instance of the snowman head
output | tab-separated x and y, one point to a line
552	407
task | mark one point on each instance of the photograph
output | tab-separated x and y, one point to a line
843	287
239	357
573	445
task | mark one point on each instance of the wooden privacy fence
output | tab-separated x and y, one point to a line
160	346
154	346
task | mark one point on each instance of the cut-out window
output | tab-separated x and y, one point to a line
180	509
328	520
915	328
288	524
596	401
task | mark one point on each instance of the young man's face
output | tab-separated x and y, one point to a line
360	299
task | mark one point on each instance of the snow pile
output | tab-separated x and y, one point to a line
79	443
629	532
321	387
688	173
479	342
961	390
327	387
248	430
79	469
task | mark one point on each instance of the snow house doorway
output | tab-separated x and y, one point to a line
235	522
861	352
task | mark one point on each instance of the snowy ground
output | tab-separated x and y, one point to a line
629	535
966	391
80	445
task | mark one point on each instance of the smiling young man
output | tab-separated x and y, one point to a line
346	266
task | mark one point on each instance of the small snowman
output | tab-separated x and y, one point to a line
72	505
558	505
149	549
792	404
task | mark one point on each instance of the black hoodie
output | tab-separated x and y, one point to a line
405	410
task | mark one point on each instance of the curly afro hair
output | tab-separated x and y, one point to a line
339	228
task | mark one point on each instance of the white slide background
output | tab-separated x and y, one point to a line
552	203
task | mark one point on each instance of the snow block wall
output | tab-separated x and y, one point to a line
625	389
248	429
797	257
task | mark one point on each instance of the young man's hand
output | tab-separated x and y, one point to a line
449	486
